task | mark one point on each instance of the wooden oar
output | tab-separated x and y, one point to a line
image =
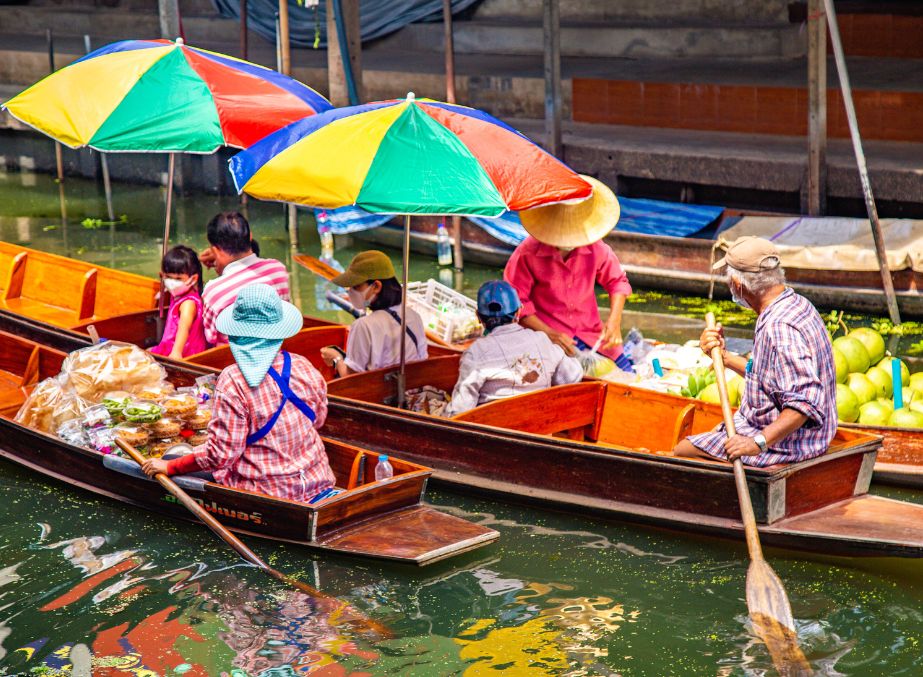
767	602
366	623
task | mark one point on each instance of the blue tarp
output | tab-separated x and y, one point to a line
377	18
648	217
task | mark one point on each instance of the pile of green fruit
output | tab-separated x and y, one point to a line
702	386
864	391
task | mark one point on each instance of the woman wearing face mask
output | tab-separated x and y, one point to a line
374	339
184	332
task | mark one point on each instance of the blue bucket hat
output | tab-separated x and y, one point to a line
497	298
255	325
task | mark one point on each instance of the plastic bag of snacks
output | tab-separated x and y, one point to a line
113	365
427	400
52	403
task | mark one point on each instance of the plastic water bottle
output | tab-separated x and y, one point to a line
634	348
326	248
383	470
443	246
326	237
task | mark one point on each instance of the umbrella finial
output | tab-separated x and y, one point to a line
180	42
411	96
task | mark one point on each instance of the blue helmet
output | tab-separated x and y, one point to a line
497	298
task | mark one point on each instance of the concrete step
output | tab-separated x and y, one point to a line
108	25
775	11
612	39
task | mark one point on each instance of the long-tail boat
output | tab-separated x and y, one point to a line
601	448
381	519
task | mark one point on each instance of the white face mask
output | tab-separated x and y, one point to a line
734	297
178	287
358	299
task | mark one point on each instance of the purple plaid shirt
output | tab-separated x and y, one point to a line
792	368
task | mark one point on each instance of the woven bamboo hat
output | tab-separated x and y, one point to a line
574	224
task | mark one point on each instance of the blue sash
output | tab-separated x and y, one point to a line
287	396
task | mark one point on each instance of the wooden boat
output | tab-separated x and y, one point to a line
380	519
683	264
65	292
599	448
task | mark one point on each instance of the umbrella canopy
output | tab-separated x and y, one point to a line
163	96
406	156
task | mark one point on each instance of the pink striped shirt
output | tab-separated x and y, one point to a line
222	292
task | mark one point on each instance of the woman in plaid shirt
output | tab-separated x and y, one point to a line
788	410
268	406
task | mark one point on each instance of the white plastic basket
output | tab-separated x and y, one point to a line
446	313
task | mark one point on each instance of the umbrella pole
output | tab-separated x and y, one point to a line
171	167
402	376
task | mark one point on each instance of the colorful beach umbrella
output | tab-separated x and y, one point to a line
163	96
407	156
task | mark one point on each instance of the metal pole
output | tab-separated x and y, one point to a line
402	375
552	31
243	29
166	240
887	282
817	108
283	38
169	19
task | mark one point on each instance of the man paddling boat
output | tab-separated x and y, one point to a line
555	271
788	410
268	406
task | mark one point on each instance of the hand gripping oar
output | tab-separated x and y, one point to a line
767	603
366	624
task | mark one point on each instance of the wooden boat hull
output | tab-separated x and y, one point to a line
684	265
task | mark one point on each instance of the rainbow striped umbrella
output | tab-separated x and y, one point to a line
163	96
406	156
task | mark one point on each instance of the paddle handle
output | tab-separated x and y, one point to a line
740	477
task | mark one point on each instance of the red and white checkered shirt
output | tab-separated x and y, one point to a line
222	292
290	461
792	369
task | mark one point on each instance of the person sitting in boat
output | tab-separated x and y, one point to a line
375	339
184	332
556	269
509	359
268	407
788	409
235	257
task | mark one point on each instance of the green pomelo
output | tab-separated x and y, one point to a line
710	394
855	352
847	404
916	406
874	413
906	418
885	402
734	390
741	389
916	381
905	372
909	395
881	380
842	366
862	387
872	341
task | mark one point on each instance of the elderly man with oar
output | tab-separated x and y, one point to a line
788	410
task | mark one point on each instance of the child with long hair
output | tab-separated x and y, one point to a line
184	332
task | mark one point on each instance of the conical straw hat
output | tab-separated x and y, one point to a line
567	224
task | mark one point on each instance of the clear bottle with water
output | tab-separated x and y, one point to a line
383	469
443	246
634	347
326	237
321	287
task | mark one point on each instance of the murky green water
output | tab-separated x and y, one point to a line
557	595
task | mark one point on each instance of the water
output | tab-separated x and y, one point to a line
557	594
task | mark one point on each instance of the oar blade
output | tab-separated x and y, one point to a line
771	616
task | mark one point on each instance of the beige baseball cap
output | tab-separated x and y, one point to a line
750	254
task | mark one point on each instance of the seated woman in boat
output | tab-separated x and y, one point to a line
788	409
375	339
184	333
268	406
509	359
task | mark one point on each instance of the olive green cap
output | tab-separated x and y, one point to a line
370	265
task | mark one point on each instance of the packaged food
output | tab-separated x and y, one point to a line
155	392
72	432
102	439
179	405
199	419
142	411
112	365
165	427
115	401
135	435
205	388
51	404
157	448
96	416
